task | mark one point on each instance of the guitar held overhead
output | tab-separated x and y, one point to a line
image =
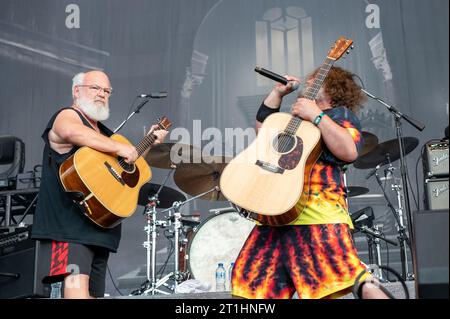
281	157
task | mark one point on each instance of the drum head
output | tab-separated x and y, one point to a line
218	239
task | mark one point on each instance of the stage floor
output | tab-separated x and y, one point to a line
394	288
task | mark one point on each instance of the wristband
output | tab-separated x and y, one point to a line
264	112
317	120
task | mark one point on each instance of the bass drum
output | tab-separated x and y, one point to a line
218	239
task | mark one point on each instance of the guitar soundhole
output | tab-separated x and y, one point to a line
127	167
284	143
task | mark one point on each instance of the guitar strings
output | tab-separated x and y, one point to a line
312	91
141	147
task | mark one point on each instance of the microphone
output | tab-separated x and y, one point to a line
372	172
367	230
276	77
154	95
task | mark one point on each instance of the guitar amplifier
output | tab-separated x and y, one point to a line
436	193
436	159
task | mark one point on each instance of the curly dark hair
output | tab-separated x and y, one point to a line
342	89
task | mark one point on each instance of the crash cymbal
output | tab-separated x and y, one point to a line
353	191
197	178
166	197
385	152
166	154
370	142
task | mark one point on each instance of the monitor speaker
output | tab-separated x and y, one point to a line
431	253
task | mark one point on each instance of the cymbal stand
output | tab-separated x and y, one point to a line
402	238
178	277
150	286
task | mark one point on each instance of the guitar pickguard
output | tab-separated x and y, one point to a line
290	160
131	179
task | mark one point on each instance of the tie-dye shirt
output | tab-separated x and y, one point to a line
326	203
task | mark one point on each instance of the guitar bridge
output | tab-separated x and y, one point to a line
114	173
269	167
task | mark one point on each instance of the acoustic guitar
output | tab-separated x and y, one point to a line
268	178
104	186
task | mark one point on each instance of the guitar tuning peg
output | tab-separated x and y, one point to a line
352	47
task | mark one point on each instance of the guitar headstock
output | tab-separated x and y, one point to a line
164	123
340	47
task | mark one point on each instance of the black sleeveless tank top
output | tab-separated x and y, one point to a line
57	217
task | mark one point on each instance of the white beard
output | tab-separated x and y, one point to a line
93	111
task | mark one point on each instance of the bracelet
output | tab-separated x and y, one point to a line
264	112
317	120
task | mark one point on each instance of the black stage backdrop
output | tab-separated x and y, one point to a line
203	52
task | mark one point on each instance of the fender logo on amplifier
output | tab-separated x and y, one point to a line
436	159
436	193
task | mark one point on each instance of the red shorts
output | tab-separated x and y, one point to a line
317	261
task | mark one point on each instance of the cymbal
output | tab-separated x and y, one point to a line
385	152
370	142
197	178
167	154
166	197
353	191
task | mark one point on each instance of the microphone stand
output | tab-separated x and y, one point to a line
403	169
138	108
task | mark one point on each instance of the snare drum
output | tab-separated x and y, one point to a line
218	239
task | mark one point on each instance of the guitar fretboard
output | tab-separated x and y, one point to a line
146	142
311	93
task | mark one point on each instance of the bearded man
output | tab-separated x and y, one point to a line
72	249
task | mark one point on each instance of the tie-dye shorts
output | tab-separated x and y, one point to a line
317	261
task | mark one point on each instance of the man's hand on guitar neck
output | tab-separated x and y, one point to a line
305	109
159	134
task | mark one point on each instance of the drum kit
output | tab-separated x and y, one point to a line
194	255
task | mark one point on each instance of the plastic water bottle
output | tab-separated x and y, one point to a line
220	277
56	290
230	275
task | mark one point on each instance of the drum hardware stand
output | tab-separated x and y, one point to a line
374	241
403	169
344	176
374	235
398	215
178	277
151	285
401	229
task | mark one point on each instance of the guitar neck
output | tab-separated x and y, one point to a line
145	143
313	89
311	93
